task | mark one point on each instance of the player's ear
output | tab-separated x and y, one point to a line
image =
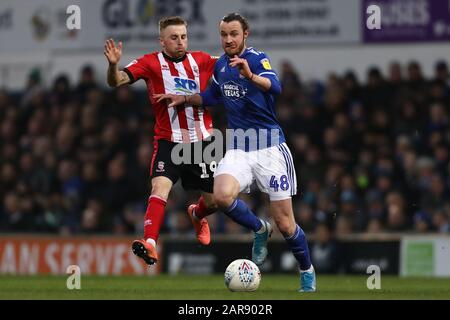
246	33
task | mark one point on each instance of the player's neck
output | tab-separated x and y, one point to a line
243	50
240	53
173	59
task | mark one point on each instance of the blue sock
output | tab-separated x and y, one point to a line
299	248
240	213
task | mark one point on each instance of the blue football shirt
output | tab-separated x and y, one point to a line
250	110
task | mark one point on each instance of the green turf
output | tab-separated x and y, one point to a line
212	287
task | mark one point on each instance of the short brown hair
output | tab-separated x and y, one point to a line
237	17
171	21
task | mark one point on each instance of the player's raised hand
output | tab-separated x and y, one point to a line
175	100
242	66
112	52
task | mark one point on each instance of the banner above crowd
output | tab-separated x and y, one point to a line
29	26
410	21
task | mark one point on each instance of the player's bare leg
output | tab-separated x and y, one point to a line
154	217
283	215
161	187
198	212
226	190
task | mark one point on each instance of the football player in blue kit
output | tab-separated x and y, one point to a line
245	83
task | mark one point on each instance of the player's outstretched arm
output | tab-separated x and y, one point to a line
115	77
176	100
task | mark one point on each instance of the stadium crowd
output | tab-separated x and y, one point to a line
370	157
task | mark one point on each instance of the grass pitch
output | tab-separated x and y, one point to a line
188	287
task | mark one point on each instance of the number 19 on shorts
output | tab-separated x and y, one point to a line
212	167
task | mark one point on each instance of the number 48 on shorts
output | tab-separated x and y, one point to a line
281	182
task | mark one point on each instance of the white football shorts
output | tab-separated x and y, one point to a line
272	168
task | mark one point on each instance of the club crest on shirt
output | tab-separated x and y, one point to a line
266	64
195	70
160	167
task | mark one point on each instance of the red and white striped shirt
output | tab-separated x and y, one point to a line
186	76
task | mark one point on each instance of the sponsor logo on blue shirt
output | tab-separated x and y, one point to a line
233	90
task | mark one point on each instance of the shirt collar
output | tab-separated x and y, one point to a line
243	54
176	60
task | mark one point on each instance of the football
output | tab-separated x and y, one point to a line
242	275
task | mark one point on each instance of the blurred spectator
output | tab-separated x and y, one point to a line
375	225
408	120
87	83
422	222
352	86
290	80
344	226
416	83
33	89
441	220
415	76
397	217
91	220
350	208
53	213
324	251
395	73
376	212
376	92
441	71
139	171
118	191
132	219
61	93
15	218
435	196
305	216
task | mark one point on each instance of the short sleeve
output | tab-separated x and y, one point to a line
262	67
209	62
137	69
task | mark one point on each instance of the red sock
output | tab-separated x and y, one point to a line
201	210
154	217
